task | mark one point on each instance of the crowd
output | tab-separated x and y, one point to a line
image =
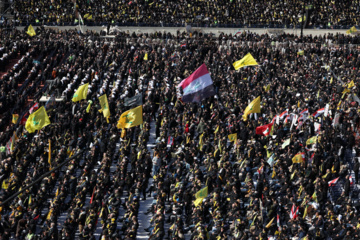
320	13
255	188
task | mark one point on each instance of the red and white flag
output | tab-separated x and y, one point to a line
278	221
294	212
318	112
34	108
303	114
351	180
284	114
288	118
333	182
305	111
317	127
273	120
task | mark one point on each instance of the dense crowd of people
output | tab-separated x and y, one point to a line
320	13
255	189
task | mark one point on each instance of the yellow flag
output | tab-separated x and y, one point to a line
202	193
351	84
5	185
15	118
29	203
297	158
346	90
37	120
49	160
89	106
123	133
198	201
49	214
131	118
314	197
201	141
253	221
31	32
146	57
267	88
273	173
104	106
300	53
216	130
305	211
339	105
269	224
293	175
331	80
272	130
248	60
253	107
351	30
81	93
312	140
232	137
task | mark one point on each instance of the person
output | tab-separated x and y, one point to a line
215	13
283	173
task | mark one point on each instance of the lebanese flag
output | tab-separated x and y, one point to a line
351	180
278	221
34	108
294	212
284	114
333	182
264	129
197	86
318	112
170	140
130	71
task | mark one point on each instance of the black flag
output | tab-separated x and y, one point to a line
133	101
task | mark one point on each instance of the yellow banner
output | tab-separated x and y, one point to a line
131	118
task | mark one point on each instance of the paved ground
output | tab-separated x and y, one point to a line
215	31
